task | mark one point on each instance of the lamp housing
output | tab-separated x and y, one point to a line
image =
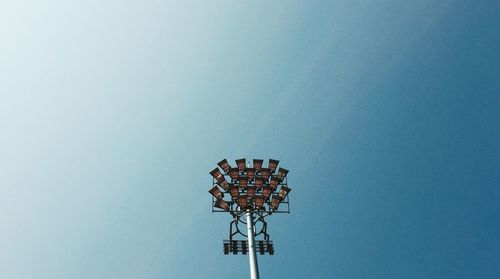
259	182
265	173
243	182
234	191
257	164
234	173
217	174
266	192
274	182
275	202
273	164
250	173
251	191
284	192
240	163
224	165
243	201
282	173
215	191
222	204
259	201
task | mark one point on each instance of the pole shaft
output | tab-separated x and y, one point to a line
254	267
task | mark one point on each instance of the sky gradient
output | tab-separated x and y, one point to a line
386	113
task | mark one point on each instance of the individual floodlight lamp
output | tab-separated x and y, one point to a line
284	192
259	182
250	173
282	173
243	182
270	249
223	183
217	174
265	173
222	204
234	173
257	164
251	191
266	192
224	165
274	182
244	248
216	192
252	194
273	164
240	163
234	245
243	201
275	202
234	191
261	247
259	202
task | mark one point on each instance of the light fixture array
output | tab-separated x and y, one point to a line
244	187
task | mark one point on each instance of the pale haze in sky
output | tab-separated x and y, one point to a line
386	113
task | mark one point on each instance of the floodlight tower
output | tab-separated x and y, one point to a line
254	193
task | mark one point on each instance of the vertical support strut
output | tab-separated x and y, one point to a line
254	267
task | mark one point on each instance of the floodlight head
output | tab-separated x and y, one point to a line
234	245
266	192
243	201
243	182
215	191
217	174
273	164
270	249
282	173
284	192
222	204
261	247
275	202
234	173
259	202
234	191
265	173
250	173
274	182
244	248
224	165
223	183
257	164
251	191
240	163
259	181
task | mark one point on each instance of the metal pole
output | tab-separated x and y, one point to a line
254	267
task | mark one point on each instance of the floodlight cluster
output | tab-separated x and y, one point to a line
253	188
236	246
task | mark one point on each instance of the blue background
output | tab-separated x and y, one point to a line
386	113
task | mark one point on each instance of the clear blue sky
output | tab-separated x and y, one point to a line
112	113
